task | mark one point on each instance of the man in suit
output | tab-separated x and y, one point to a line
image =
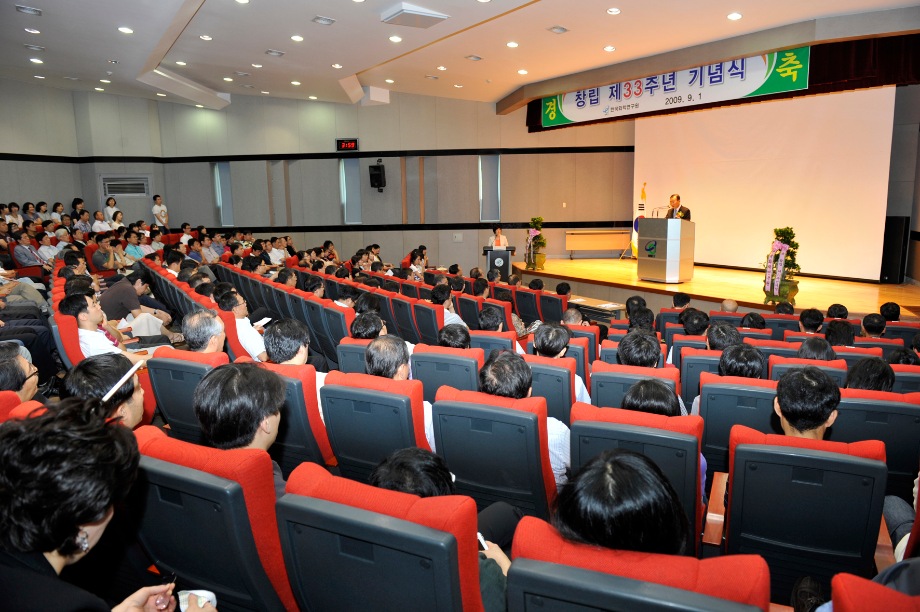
677	211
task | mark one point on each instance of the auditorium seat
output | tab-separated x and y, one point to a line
554	381
429	319
317	320
906	378
693	362
553	306
901	330
503	306
665	316
719	317
410	289
679	341
610	382
748	332
852	354
369	417
350	546
489	341
218	501
673	443
609	350
468	309
773	347
798	337
741	578
497	448
855	324
351	355
851	593
405	318
669	330
435	366
234	346
779	323
809	507
338	321
8	401
888	345
836	369
592	333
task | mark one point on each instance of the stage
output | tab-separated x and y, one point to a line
615	280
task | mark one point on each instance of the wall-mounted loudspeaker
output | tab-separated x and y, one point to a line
378	177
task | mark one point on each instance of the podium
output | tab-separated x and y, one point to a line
665	250
499	258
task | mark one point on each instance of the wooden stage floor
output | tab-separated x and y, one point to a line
715	284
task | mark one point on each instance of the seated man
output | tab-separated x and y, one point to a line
729	305
695	323
367	326
441	295
17	374
95	339
26	254
680	300
239	406
508	375
204	332
633	303
347	296
454	336
96	376
838	311
493	319
737	360
99	223
721	336
890	311
873	325
107	257
642	349
481	288
287	342
247	333
552	340
806	402
642	318
573	316
121	303
811	320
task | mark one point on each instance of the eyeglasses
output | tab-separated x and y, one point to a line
34	372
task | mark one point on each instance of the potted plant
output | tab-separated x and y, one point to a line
536	242
781	267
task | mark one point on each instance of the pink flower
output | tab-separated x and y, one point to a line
533	233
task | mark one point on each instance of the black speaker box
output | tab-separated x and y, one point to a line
894	250
378	176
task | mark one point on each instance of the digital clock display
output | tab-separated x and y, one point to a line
346	144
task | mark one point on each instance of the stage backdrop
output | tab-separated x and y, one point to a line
819	164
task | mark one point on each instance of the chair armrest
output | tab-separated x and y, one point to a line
30	271
884	551
715	514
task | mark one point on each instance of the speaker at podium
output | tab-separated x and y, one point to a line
500	259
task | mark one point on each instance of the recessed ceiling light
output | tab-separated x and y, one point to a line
38	76
32	31
274	52
295	83
511	44
34	47
113	61
395	38
558	29
256	65
205	37
390	81
610	48
473	58
35	60
735	16
613	11
485	1
442	67
265	92
72	78
228	79
337	66
326	21
431	76
357	0
99	89
162	95
104	81
125	30
28	10
242	1
180	63
199	106
241	74
458	86
247	86
522	71
311	97
297	38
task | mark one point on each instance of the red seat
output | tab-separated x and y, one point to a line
454	514
88	252
836	368
233	340
790	335
8	401
741	578
27	409
851	593
212	359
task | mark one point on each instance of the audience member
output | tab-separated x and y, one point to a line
837	311
839	333
871	374
95	338
729	306
903	357
806	402
632	303
457	336
680	300
653	396
642	318
367	326
536	284
441	295
247	333
722	336
552	340
890	311
784	308
810	321
204	331
287	342
639	348
95	377
816	348
873	325
753	320
563	288
16	373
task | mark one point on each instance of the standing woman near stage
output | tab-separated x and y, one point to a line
498	239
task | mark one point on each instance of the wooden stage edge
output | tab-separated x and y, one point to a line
712	284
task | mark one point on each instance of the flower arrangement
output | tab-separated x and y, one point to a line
536	242
781	266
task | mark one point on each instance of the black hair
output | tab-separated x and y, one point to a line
440	294
839	333
284	338
347	292
491	318
454	336
375	266
753	320
696	322
95	376
227	301
12	376
816	348
475	273
742	360
903	356
505	374
479	286
78	284
837	311
174	257
536	284
314	283
680	299
639	348
811	320
416	471
493	275
621	500
74	305
632	303
232	400
563	288
807	397
453	269
653	396
722	336
342	272
284	274
367	302
550	339
642	318
456	283
890	311
870	373
784	308
60	470
366	326
874	324
251	263
385	355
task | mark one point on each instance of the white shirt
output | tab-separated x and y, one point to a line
184	238
159	212
451	318
94	342
277	256
581	392
250	338
101	226
209	254
109	212
557	435
500	241
49	252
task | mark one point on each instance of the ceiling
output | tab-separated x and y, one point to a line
81	42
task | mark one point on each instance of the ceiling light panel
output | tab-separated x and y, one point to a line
326	21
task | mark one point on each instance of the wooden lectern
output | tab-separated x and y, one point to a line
665	250
499	258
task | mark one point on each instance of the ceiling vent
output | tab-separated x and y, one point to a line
274	53
29	10
323	20
405	14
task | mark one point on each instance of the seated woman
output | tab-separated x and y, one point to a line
61	474
621	500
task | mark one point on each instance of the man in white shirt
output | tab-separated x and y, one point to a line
160	214
95	337
506	374
287	342
276	251
493	319
46	250
347	296
99	225
552	340
186	233
441	295
246	332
